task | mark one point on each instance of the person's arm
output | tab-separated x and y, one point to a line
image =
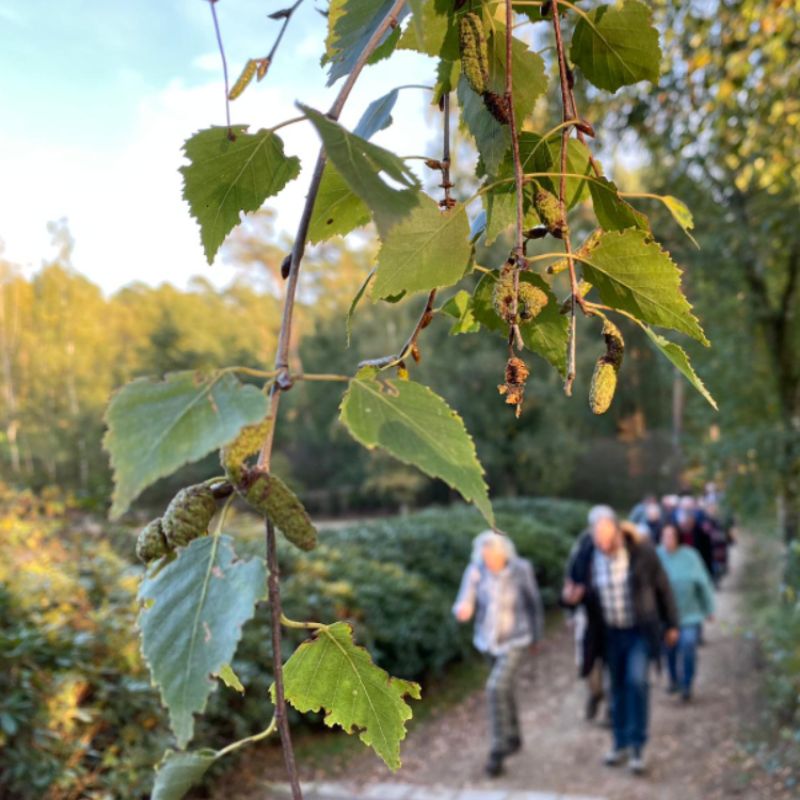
464	606
533	600
704	586
577	572
665	599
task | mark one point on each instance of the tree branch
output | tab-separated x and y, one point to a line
276	613
567	113
283	381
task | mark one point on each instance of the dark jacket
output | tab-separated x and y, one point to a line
654	607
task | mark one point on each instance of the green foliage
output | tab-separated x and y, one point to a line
330	672
612	212
633	274
418	427
192	613
360	164
425	250
230	172
338	209
154	427
617	45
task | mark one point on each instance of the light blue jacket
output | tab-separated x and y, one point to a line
691	584
507	605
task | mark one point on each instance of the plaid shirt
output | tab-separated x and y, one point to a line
611	577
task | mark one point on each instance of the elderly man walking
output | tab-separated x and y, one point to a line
619	578
499	588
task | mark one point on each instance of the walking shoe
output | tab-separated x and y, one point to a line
494	766
514	745
636	762
673	688
613	758
686	695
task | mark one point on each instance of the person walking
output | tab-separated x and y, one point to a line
694	596
499	589
618	576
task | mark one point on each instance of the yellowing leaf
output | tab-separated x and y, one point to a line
331	673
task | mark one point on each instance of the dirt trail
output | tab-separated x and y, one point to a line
695	750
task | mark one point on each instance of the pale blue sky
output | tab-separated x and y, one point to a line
98	95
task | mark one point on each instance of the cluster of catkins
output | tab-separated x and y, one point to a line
475	66
191	510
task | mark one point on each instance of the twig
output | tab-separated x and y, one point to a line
286	19
447	184
568	113
213	4
276	613
422	323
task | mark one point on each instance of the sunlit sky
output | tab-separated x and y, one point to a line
99	95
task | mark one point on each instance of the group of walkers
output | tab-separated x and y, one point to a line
638	591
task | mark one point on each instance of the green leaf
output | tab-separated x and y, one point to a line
378	115
460	307
227	177
351	24
191	621
530	81
546	335
633	274
677	355
154	427
354	304
491	137
416	426
617	45
230	678
537	155
431	26
331	672
612	212
337	209
361	163
178	772
427	249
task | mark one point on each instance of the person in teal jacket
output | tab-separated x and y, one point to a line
694	595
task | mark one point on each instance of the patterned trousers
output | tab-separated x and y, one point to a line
500	695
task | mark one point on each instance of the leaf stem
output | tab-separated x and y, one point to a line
308	626
257	737
213	4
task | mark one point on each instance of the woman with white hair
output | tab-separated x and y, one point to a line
499	589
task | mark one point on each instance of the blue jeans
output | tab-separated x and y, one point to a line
682	659
627	656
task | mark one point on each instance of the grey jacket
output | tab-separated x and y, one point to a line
507	605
